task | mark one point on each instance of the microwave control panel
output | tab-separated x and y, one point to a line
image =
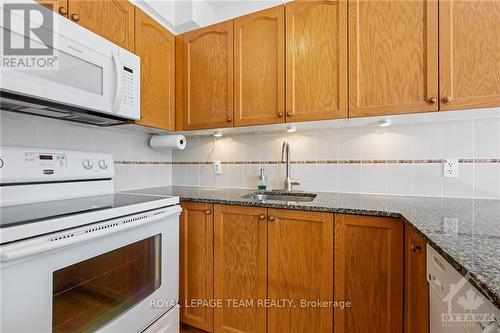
128	86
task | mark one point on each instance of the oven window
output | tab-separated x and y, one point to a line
91	293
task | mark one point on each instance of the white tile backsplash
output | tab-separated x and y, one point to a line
408	148
31	131
403	151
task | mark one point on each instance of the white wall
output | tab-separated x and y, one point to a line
339	159
128	148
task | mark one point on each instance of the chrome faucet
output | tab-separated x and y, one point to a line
285	158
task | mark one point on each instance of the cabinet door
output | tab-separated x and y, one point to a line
207	80
416	286
393	57
240	268
469	54
196	264
369	273
156	47
300	268
111	19
316	60
259	64
59	6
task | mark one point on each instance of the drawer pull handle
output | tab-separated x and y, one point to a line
208	212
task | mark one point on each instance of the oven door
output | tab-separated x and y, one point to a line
115	276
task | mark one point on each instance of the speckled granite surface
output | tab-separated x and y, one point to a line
473	249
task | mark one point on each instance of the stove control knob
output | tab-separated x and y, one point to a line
1	163
87	164
103	164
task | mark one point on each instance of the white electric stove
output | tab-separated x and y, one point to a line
77	256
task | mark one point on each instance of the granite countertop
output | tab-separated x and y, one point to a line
466	232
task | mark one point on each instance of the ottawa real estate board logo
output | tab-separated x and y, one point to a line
27	37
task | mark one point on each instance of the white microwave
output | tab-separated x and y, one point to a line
91	79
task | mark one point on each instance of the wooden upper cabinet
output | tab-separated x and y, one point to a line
111	19
469	54
300	268
59	6
369	273
259	67
416	286
196	264
156	47
393	57
316	60
206	65
240	261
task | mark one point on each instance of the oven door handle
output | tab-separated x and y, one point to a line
80	235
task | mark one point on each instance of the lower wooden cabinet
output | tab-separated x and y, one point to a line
300	265
196	264
253	261
240	260
416	286
369	273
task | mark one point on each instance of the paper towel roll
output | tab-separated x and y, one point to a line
168	141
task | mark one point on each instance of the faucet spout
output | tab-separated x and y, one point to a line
285	158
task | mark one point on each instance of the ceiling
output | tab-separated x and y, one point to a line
180	16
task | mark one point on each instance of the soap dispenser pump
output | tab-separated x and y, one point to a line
261	187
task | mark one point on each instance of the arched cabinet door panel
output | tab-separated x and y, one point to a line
111	19
259	68
316	60
469	54
156	47
205	77
393	57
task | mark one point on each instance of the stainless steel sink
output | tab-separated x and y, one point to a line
281	196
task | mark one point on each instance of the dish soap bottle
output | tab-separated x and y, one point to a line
261	186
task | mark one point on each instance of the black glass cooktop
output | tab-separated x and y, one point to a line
22	214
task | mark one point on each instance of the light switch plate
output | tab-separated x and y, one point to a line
450	168
217	165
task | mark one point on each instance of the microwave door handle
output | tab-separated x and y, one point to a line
117	100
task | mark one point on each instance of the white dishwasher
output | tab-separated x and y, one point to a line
455	305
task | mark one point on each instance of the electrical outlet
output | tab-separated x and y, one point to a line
450	168
450	225
217	167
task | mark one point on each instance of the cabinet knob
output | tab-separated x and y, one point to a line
63	10
208	212
446	99
229	118
75	17
415	247
262	217
432	100
271	218
289	113
280	114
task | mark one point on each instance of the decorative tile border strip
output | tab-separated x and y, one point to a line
430	161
